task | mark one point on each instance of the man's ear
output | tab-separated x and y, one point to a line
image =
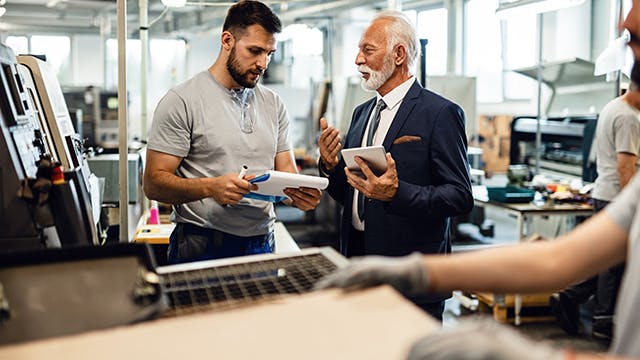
399	54
228	40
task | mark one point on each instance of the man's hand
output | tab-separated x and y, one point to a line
304	198
481	339
407	274
383	187
229	189
329	144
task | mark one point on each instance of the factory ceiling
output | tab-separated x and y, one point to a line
99	16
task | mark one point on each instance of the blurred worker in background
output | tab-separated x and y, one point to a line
206	129
407	207
616	147
607	239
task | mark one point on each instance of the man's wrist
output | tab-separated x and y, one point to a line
323	168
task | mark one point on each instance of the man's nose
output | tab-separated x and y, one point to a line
262	62
360	58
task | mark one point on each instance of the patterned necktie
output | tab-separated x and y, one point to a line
373	126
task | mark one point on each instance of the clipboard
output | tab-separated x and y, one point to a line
271	184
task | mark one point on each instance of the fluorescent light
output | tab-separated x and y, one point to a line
519	7
53	3
174	3
2	11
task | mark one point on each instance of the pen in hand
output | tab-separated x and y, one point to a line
243	171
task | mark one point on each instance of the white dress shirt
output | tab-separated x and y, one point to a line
393	100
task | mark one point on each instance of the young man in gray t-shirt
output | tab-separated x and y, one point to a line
617	145
206	129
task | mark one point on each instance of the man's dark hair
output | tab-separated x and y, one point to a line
246	13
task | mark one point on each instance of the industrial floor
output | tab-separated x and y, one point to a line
308	233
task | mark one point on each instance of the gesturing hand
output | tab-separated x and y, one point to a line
329	144
383	187
407	274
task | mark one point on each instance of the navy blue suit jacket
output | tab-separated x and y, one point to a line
433	172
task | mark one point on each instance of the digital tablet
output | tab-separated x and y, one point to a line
375	156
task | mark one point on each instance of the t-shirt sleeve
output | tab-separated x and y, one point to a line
627	134
624	206
170	130
284	136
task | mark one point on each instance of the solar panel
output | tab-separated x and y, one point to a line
226	283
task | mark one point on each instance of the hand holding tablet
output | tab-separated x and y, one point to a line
375	156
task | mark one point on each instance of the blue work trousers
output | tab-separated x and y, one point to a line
190	242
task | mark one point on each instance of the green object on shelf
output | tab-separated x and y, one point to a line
510	194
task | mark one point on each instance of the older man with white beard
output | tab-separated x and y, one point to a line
408	207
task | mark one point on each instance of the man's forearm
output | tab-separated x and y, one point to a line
172	189
626	167
595	356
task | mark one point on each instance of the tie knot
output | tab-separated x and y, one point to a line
381	105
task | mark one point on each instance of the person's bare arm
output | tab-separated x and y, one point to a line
162	184
539	266
597	356
303	198
626	167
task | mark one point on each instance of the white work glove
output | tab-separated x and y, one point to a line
481	339
407	274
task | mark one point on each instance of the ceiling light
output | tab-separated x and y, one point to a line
2	11
519	7
53	3
174	3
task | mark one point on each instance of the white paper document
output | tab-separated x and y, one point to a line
272	184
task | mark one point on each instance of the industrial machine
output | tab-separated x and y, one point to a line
36	209
566	142
574	97
22	145
56	292
100	115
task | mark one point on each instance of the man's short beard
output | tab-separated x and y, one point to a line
236	73
377	78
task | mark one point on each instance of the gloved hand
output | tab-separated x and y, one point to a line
481	339
407	274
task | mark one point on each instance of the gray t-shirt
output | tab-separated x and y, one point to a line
201	122
624	212
618	131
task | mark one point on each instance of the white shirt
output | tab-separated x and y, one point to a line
393	100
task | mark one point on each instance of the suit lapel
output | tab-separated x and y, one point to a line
408	103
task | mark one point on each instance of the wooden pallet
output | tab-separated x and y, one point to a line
535	307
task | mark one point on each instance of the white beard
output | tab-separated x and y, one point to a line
377	78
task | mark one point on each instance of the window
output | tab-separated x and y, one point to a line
301	52
57	49
520	50
19	44
483	50
432	25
